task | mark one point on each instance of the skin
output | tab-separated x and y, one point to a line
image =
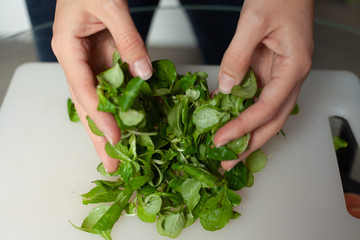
273	36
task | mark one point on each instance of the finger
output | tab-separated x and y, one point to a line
250	31
83	84
283	79
116	16
262	134
99	142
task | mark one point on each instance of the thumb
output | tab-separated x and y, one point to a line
236	60
128	41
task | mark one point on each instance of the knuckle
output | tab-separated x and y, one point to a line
130	41
55	45
234	62
304	63
255	17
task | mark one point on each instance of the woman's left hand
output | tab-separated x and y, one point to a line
275	38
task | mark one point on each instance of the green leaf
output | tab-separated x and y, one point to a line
157	92
237	177
256	161
250	180
239	145
144	215
145	141
114	76
295	110
165	70
216	212
234	198
206	117
116	57
119	151
339	143
175	117
105	104
190	192
94	129
247	88
173	224
101	169
152	204
146	89
221	154
72	113
94	216
131	117
201	175
132	91
109	218
235	215
193	94
126	171
100	194
187	81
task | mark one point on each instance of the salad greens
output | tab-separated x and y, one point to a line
168	164
339	143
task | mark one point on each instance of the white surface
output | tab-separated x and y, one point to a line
46	162
14	17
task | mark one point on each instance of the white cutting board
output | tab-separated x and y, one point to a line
46	162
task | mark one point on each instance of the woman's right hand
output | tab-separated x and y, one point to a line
85	35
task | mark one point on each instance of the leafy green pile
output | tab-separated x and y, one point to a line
169	166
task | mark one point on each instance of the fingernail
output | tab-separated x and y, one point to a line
226	82
108	139
220	144
143	68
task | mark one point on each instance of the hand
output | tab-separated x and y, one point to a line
274	37
85	35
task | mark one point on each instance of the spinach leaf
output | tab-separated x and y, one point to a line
105	104
100	194
119	151
72	113
171	225
239	145
175	117
339	143
94	129
237	177
233	197
126	171
206	117
216	212
152	204
187	81
190	192
223	153
256	161
200	174
92	218
295	110
101	169
144	216
164	70
131	117
247	88
114	76
132	90
109	217
167	161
